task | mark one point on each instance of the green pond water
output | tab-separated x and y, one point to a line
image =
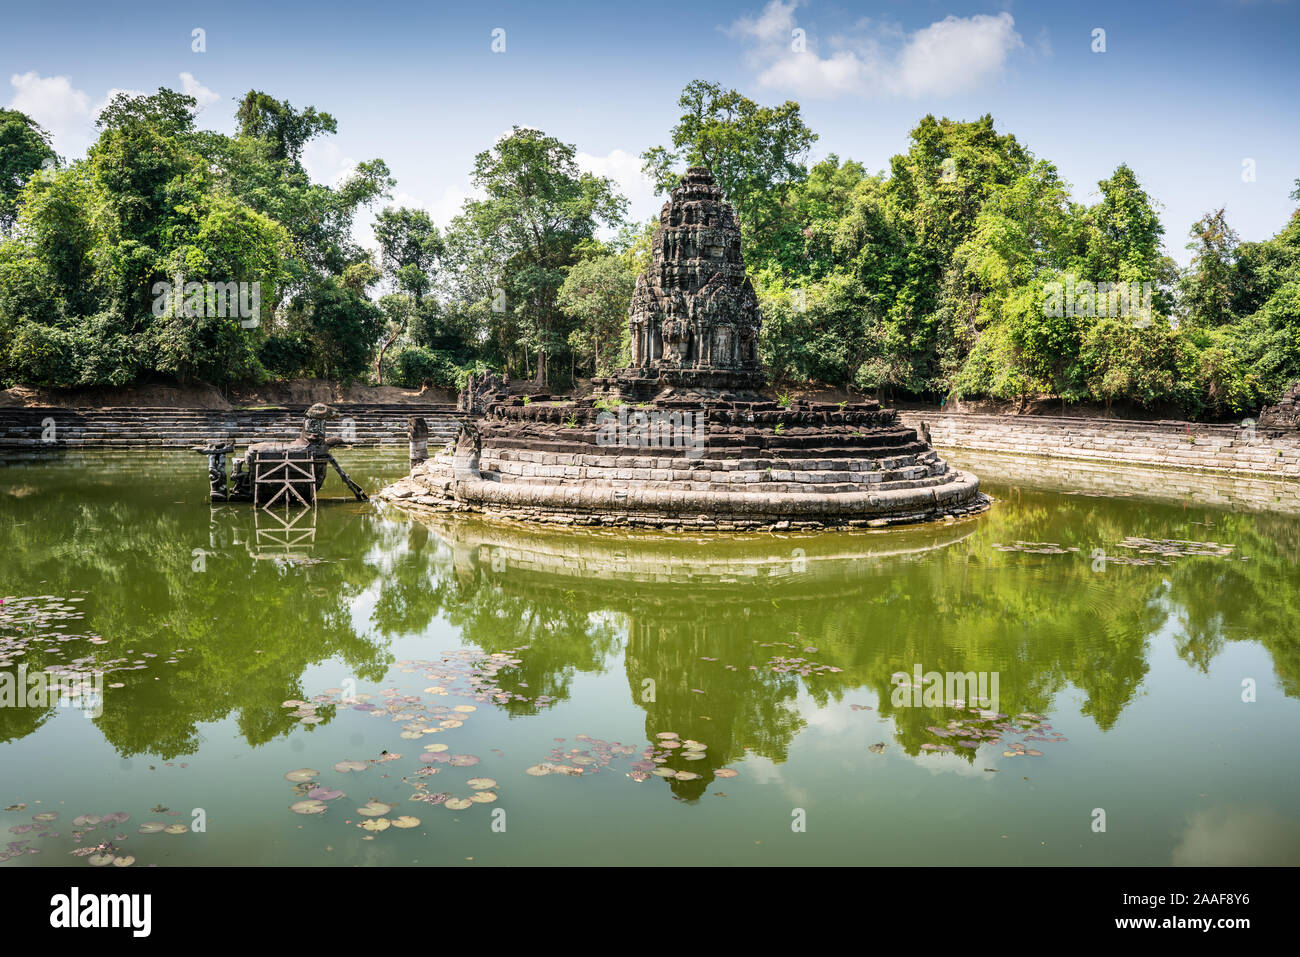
1125	669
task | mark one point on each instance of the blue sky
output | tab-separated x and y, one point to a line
1185	92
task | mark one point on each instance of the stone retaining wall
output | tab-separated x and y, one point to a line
1228	449
365	425
1189	487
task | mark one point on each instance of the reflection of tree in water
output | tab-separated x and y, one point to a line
250	628
1257	599
1043	623
566	635
871	604
741	710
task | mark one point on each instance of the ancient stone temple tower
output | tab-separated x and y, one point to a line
694	315
684	437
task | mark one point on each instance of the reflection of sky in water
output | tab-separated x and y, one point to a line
1234	836
1139	667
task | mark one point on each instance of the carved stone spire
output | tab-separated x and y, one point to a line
694	316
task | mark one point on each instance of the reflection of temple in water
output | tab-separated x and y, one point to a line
705	677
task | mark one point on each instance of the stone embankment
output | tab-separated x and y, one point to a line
1187	487
154	428
1223	449
1244	450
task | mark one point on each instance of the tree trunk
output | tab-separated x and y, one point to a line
379	360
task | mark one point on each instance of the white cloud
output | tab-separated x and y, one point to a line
624	169
441	209
201	93
947	57
326	164
68	112
956	54
449	204
57	105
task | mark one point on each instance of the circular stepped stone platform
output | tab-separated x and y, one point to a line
711	465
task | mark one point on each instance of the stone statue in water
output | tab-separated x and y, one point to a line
295	469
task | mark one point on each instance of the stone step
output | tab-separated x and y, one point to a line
166	428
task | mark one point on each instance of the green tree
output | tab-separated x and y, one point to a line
756	154
538	212
263	117
1208	287
595	295
410	249
24	148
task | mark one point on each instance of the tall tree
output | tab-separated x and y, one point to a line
410	248
539	209
756	154
288	130
24	148
1210	285
595	294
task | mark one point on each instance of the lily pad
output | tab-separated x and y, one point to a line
175	829
151	827
123	861
344	766
311	806
457	804
376	824
301	775
405	821
538	770
374	809
464	760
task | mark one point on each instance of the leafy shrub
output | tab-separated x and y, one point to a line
416	366
41	356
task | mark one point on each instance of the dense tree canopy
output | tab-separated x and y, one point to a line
965	269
